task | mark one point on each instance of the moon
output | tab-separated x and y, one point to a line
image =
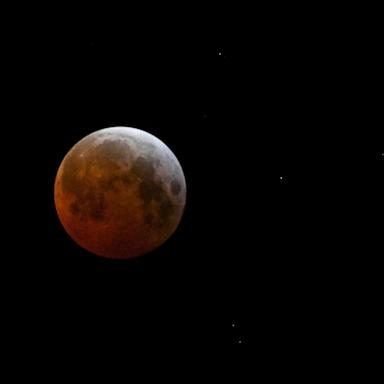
120	192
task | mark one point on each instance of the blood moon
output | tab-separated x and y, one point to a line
120	192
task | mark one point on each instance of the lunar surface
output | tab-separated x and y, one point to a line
120	192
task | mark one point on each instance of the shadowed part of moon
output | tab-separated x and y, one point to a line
78	177
120	193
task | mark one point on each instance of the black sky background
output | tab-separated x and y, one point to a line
293	262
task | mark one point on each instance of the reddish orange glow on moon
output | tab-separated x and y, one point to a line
120	192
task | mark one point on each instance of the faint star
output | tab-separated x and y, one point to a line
240	341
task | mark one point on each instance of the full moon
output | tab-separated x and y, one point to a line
120	192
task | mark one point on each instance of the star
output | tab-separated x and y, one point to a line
233	325
240	342
220	53
281	177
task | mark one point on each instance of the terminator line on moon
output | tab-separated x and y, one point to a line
120	192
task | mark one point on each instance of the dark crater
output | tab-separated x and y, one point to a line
175	187
152	190
89	204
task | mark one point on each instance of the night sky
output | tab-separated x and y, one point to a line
275	122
